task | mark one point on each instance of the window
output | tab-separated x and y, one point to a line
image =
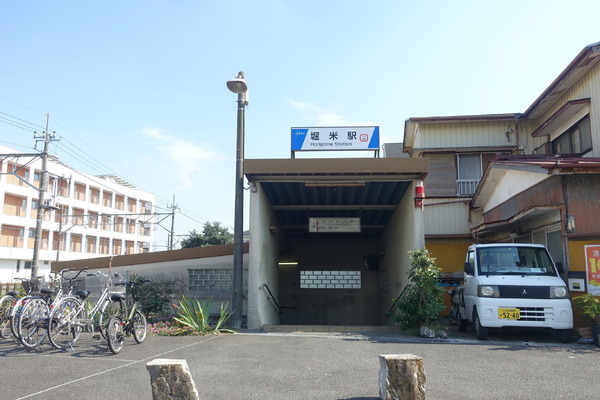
104	245
577	140
107	199
79	191
95	195
470	169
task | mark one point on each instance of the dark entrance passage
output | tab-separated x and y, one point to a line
319	276
330	285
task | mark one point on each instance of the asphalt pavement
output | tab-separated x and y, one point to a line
305	364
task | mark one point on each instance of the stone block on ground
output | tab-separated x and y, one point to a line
171	380
401	377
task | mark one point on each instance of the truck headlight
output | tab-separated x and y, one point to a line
488	291
558	292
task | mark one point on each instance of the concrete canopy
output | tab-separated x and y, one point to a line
370	189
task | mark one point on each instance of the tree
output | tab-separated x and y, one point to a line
422	301
213	234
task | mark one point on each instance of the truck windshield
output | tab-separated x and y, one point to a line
518	260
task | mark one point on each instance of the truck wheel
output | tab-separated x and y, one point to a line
462	323
564	335
482	332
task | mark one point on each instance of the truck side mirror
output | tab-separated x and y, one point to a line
469	268
560	268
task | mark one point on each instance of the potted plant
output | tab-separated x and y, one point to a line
590	306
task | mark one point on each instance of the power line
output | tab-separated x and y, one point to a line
83	157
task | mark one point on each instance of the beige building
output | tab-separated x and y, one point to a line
523	177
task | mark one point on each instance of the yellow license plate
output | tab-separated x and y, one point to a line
509	313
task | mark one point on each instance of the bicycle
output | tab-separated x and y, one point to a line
126	322
31	318
32	287
7	303
70	316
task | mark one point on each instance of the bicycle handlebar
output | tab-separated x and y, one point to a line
71	269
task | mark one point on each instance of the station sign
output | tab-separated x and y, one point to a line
335	138
333	225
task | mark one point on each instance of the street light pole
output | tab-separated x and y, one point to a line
238	85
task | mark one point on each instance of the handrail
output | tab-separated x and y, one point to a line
396	301
264	285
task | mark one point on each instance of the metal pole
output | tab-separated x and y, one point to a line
172	235
41	207
238	228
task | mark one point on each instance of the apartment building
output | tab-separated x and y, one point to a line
523	177
86	216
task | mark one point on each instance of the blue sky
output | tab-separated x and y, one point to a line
138	87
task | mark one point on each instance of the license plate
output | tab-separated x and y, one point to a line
509	313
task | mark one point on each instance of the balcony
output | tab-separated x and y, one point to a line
466	187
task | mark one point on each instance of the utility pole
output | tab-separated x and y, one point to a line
41	208
172	233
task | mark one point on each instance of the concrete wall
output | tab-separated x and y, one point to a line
193	274
264	255
404	232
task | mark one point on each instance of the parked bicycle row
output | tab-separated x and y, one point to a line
46	311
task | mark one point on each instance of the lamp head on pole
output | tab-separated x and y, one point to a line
238	84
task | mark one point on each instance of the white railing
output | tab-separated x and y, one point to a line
466	187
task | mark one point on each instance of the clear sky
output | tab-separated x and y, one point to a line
137	87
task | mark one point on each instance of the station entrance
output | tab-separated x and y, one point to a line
329	238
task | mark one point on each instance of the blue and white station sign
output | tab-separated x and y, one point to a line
335	138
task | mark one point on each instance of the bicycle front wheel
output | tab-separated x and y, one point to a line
14	314
32	322
107	310
115	334
139	326
63	326
6	306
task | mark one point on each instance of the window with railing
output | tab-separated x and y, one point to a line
94	195
144	247
60	215
117	246
14	205
79	191
93	220
132	205
62	187
129	247
146	207
12	236
17	174
76	241
119	224
120	202
90	244
131	226
58	241
107	199
105	222
469	170
104	245
144	229
78	216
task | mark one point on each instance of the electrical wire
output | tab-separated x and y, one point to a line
77	153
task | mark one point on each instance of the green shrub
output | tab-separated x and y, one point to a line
196	315
154	297
422	301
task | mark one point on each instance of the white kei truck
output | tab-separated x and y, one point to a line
512	285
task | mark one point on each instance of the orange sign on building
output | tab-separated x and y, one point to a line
592	262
